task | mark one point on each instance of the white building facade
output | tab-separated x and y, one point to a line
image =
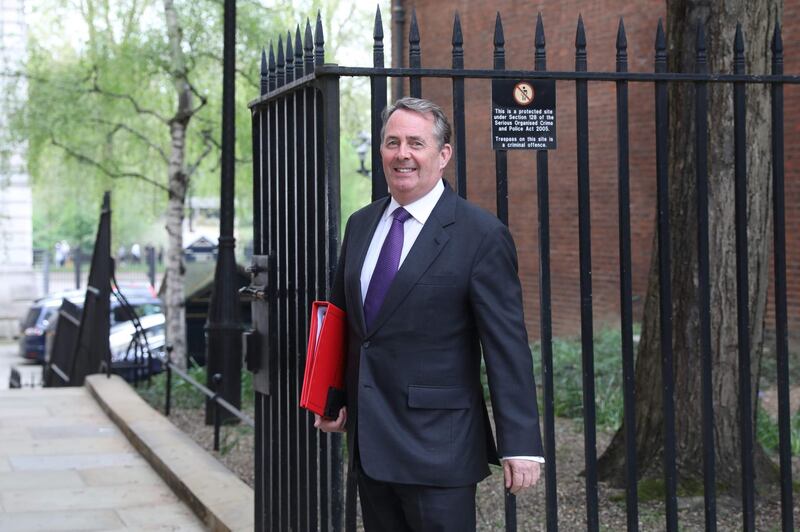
16	207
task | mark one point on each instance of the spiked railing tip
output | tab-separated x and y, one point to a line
580	34
777	40
539	35
271	56
308	41
499	38
263	62
281	61
289	49
377	32
661	39
458	37
738	40
413	32
622	39
700	39
298	42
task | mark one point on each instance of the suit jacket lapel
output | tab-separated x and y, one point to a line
362	237
426	248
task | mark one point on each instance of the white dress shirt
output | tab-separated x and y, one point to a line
420	210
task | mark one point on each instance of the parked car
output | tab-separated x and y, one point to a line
138	355
40	318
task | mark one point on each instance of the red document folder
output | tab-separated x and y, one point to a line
323	381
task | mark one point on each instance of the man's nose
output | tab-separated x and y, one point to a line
403	151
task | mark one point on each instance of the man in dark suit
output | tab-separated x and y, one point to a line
429	283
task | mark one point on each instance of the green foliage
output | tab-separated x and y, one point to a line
768	435
568	377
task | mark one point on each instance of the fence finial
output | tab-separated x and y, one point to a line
738	50
540	56
622	39
264	72
272	76
580	46
499	44
308	47
701	57
289	58
458	36
281	62
299	71
319	42
377	40
622	47
413	40
661	48
777	41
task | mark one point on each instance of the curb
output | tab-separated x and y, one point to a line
218	497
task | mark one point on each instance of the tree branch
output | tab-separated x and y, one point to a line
85	159
208	142
116	126
127	97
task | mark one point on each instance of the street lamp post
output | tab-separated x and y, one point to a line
224	327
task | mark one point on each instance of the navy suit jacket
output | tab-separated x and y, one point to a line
416	413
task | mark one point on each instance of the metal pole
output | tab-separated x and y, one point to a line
168	394
224	329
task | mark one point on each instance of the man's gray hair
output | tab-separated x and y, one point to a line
441	127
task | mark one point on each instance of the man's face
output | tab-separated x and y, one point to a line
412	160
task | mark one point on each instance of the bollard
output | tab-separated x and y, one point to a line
217	378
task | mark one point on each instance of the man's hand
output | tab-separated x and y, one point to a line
338	424
520	474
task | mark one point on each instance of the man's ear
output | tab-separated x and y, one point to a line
444	155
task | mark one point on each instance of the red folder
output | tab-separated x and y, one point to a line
323	381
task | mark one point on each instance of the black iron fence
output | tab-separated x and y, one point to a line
213	396
296	227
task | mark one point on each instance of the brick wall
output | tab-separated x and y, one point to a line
601	19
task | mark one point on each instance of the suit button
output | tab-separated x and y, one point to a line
365	345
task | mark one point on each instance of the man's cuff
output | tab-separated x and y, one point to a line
539	459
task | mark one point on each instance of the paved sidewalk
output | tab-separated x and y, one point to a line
64	465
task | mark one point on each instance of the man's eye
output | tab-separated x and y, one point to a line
391	143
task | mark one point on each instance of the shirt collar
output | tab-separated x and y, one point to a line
422	208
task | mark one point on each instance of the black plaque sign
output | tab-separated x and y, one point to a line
523	114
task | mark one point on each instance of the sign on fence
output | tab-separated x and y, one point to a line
523	114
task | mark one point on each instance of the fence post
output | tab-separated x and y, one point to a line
76	260
150	257
217	380
46	272
168	394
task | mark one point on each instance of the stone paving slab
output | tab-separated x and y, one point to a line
64	465
66	521
222	500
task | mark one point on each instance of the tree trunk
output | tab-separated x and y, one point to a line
178	183
719	18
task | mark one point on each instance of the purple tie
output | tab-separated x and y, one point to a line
386	267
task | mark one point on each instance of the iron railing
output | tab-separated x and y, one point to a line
296	203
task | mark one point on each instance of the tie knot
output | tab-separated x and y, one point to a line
401	215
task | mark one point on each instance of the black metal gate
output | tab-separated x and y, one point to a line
296	228
296	236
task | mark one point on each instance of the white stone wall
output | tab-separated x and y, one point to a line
16	208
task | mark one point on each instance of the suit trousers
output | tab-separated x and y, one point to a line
390	507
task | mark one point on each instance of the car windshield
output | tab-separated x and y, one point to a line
121	314
30	319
